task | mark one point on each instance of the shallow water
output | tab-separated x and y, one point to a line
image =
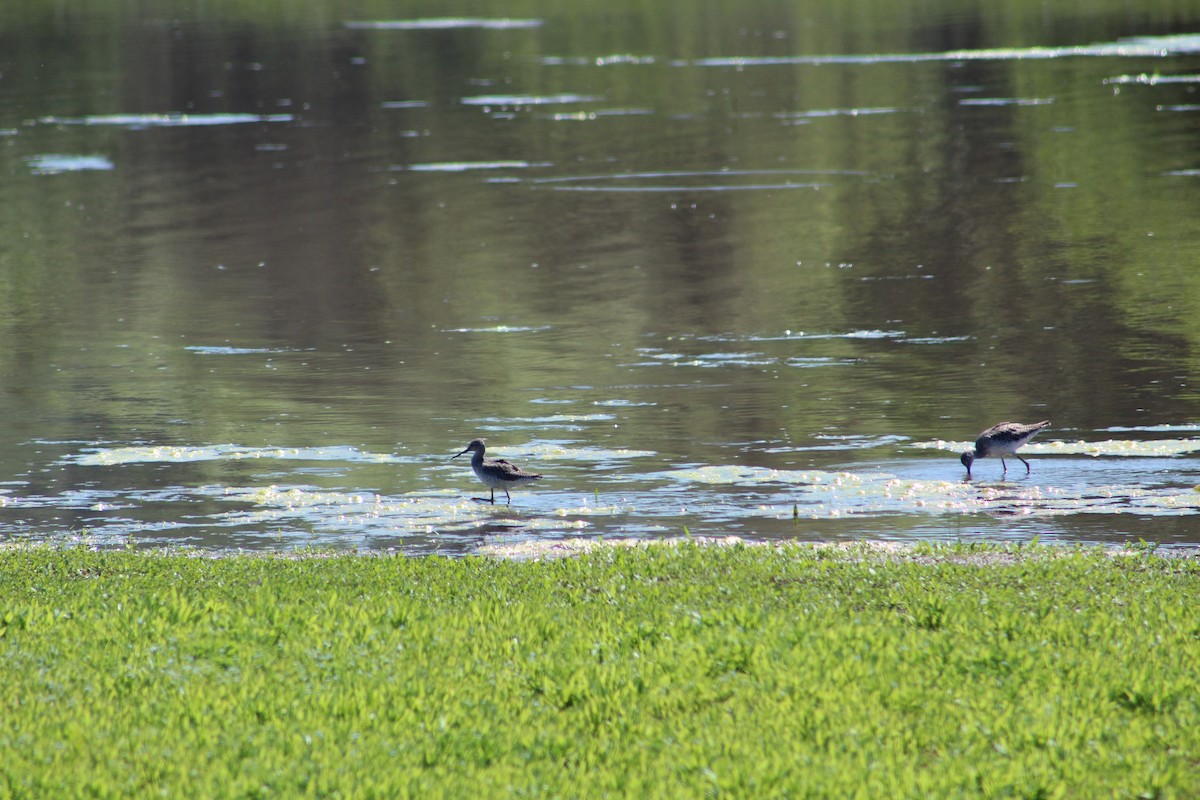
762	272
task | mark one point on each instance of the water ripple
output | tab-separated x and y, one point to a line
136	121
506	100
223	350
694	180
468	166
1135	47
444	23
56	163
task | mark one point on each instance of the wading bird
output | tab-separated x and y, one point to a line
1002	440
496	473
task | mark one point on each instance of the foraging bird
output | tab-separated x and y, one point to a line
1002	440
496	473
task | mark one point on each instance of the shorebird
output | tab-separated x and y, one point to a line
496	473
1002	440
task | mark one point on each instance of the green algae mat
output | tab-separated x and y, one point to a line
674	670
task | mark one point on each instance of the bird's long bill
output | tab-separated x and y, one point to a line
464	451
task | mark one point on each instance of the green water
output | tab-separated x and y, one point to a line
262	271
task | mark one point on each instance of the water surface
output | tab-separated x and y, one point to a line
761	272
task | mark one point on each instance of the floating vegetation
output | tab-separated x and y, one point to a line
149	454
367	513
1148	448
816	494
747	475
1146	79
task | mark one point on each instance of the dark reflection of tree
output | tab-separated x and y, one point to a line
977	218
698	267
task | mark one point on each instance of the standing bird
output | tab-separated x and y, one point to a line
496	473
1002	440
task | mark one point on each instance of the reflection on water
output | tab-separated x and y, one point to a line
703	181
54	163
139	121
1133	47
756	272
444	23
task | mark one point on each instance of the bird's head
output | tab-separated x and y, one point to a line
476	445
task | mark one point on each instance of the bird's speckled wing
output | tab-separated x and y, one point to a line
511	472
1007	433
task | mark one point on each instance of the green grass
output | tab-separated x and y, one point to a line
671	671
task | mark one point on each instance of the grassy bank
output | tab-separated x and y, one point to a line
663	671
